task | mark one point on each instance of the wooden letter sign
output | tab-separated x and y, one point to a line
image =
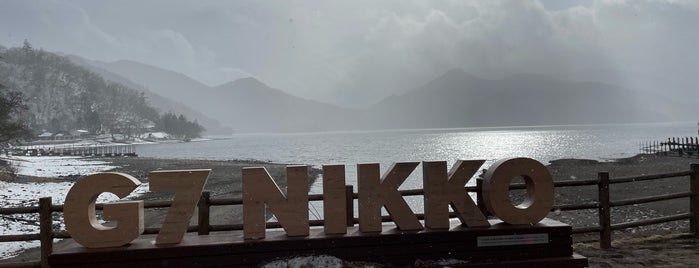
291	210
187	186
376	192
80	217
496	188
442	189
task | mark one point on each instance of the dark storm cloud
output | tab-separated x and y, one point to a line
354	52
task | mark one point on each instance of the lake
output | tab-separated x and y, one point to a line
544	143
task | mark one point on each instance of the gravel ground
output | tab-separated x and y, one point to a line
572	169
659	245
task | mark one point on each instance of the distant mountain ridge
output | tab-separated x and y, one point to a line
245	104
164	104
455	99
461	99
163	82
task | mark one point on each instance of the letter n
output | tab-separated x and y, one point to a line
291	210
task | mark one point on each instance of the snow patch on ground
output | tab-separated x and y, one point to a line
56	166
307	261
27	194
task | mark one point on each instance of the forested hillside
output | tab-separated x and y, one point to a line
157	100
62	97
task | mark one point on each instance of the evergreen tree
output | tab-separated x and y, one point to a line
179	126
11	129
63	97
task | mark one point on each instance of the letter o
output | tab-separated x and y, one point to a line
80	217
496	188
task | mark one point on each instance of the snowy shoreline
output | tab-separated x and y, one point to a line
26	192
51	176
56	166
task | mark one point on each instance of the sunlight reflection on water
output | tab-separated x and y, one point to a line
386	147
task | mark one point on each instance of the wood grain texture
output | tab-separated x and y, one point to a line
390	246
291	210
187	186
376	192
80	216
334	199
443	189
694	200
539	182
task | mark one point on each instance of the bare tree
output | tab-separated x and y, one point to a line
11	129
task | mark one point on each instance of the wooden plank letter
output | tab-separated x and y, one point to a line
539	183
291	210
80	216
334	201
376	192
187	185
441	190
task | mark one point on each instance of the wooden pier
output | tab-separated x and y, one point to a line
683	147
112	150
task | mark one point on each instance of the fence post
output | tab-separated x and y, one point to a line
45	230
349	205
694	199
203	216
605	236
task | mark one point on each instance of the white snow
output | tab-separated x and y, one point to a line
28	194
56	166
156	135
306	261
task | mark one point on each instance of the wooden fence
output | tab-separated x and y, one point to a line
687	147
76	150
603	207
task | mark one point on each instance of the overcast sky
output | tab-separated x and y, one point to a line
355	52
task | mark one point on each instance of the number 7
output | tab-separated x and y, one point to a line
187	185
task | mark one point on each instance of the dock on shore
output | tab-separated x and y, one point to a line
111	150
683	147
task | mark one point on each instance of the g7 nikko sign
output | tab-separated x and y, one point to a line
442	188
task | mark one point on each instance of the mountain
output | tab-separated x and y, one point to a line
245	104
458	99
62	97
249	103
163	82
164	104
455	99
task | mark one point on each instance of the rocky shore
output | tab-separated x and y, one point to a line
579	169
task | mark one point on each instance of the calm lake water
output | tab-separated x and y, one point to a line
544	143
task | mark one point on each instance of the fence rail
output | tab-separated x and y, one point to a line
76	150
678	146
203	227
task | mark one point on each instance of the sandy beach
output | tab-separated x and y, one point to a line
658	241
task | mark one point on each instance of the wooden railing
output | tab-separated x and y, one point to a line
203	227
75	150
684	147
